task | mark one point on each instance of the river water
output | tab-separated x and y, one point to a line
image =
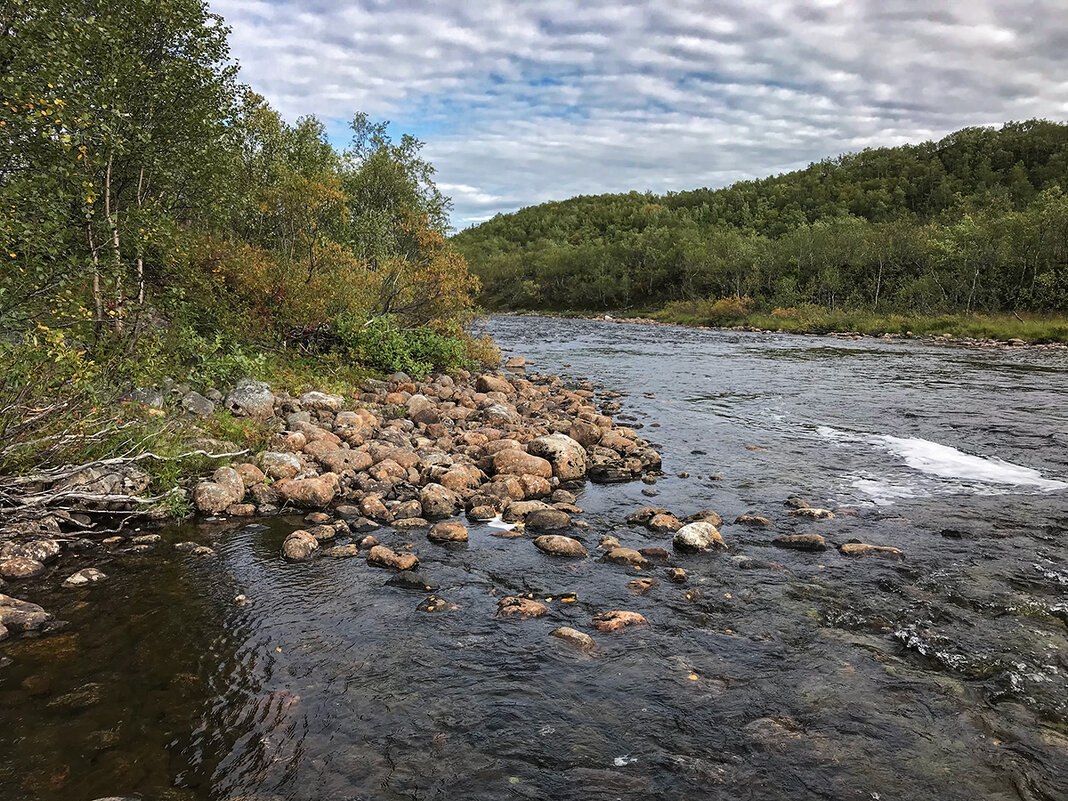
811	676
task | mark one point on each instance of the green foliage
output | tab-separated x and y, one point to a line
976	222
382	343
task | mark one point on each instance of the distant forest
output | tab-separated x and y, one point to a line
975	222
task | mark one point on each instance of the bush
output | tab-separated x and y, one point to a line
383	344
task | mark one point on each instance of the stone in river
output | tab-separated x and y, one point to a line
754	520
436	604
299	546
801	542
547	520
698	537
558	545
813	514
613	621
452	531
584	642
664	523
19	567
625	556
677	575
856	549
381	556
642	585
89	575
522	608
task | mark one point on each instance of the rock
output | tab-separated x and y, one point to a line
520	463
613	621
481	513
323	532
279	465
230	480
422	410
559	546
522	608
16	615
584	642
518	511
645	514
299	546
625	556
773	734
381	556
202	552
698	537
567	457
491	383
89	575
794	502
754	520
342	551
410	523
801	542
659	555
677	575
516	364
856	549
197	405
563	496
412	580
813	514
43	551
251	399
585	433
307	493
706	516
19	567
145	396
250	474
642	585
344	460
608	542
500	416
435	604
664	523
547	520
211	498
321	401
439	502
3	634
448	532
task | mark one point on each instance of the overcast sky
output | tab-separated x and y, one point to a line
522	102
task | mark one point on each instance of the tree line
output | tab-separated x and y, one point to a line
974	222
153	209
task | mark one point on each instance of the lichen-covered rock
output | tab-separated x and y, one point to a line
813	514
321	401
279	465
698	537
567	457
520	463
211	498
230	480
43	551
299	546
251	398
197	405
558	545
438	501
307	493
547	520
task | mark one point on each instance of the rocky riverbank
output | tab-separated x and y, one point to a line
398	454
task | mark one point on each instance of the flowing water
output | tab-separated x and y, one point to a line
811	676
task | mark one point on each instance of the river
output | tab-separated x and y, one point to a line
784	675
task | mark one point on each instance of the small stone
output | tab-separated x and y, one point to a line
435	604
813	514
241	600
299	546
410	523
19	567
547	520
664	523
342	551
794	502
584	642
89	575
677	575
659	555
520	607
608	542
642	585
625	556
202	552
147	539
613	621
855	549
801	542
754	520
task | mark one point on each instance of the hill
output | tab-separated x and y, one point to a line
974	222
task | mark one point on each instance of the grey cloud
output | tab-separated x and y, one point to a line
526	101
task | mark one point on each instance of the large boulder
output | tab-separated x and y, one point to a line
492	383
251	398
211	498
439	502
547	520
230	480
43	551
567	457
585	433
16	615
801	542
515	462
19	567
452	531
307	493
197	405
279	465
698	537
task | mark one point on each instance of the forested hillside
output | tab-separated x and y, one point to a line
158	218
975	222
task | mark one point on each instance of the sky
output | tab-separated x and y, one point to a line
522	102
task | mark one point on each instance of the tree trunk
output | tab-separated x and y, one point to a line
113	224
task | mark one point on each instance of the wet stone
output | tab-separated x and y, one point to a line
523	608
435	604
89	575
616	620
584	642
801	542
19	567
859	549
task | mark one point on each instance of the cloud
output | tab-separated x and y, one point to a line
521	101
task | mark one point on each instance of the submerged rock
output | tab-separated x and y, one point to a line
801	542
813	514
16	615
625	556
613	621
856	549
381	556
584	642
522	608
642	585
754	520
43	551
89	575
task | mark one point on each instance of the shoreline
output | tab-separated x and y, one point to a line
931	339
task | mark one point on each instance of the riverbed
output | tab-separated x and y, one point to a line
769	674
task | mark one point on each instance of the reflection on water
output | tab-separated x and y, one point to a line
810	676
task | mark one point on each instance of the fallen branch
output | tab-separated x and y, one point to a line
59	473
47	498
